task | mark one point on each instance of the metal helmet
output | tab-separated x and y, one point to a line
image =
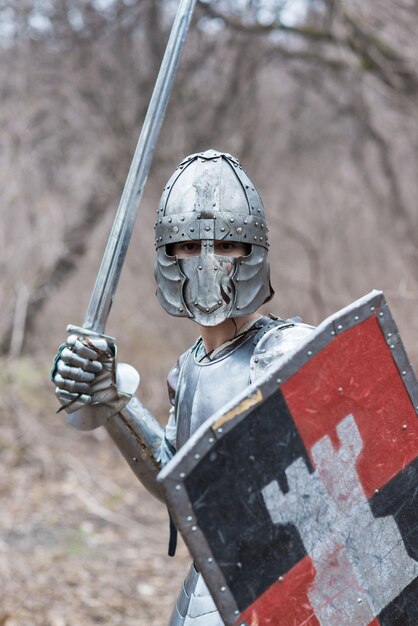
209	198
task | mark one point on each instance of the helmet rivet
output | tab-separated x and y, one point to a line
231	219
200	267
238	307
207	228
245	221
259	210
223	229
261	239
262	225
255	238
239	230
207	310
175	229
215	267
256	223
161	238
182	218
192	230
211	245
160	221
181	309
169	220
195	303
219	301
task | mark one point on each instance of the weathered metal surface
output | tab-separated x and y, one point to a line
210	198
117	245
303	499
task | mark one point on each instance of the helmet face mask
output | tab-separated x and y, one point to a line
209	199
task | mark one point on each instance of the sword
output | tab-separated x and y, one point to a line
117	245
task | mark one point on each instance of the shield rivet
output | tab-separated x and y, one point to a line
181	310
219	302
377	491
178	487
340	389
340	326
278	381
197	456
281	579
182	475
211	440
189	518
135	460
356	318
404	426
219	430
223	588
309	352
389	334
372	308
194	528
210	560
404	373
359	600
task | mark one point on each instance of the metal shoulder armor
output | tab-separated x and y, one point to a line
277	342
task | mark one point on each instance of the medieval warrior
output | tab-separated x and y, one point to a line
211	239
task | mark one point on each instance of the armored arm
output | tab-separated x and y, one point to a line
275	344
95	392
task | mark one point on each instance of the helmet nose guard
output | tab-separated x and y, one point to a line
210	198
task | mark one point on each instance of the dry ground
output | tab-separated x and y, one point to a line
81	542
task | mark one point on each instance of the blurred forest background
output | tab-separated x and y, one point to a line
317	98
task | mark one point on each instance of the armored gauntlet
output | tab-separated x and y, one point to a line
95	391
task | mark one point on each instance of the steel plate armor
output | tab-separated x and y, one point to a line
229	373
210	198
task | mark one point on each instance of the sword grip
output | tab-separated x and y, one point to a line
86	332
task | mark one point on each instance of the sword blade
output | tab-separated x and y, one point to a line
117	245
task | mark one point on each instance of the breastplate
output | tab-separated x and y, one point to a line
204	388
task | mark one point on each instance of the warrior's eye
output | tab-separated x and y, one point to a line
184	249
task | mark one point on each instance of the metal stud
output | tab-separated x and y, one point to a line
175	229
404	426
239	230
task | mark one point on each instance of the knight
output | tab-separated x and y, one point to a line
211	240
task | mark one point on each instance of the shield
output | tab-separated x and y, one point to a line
299	500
